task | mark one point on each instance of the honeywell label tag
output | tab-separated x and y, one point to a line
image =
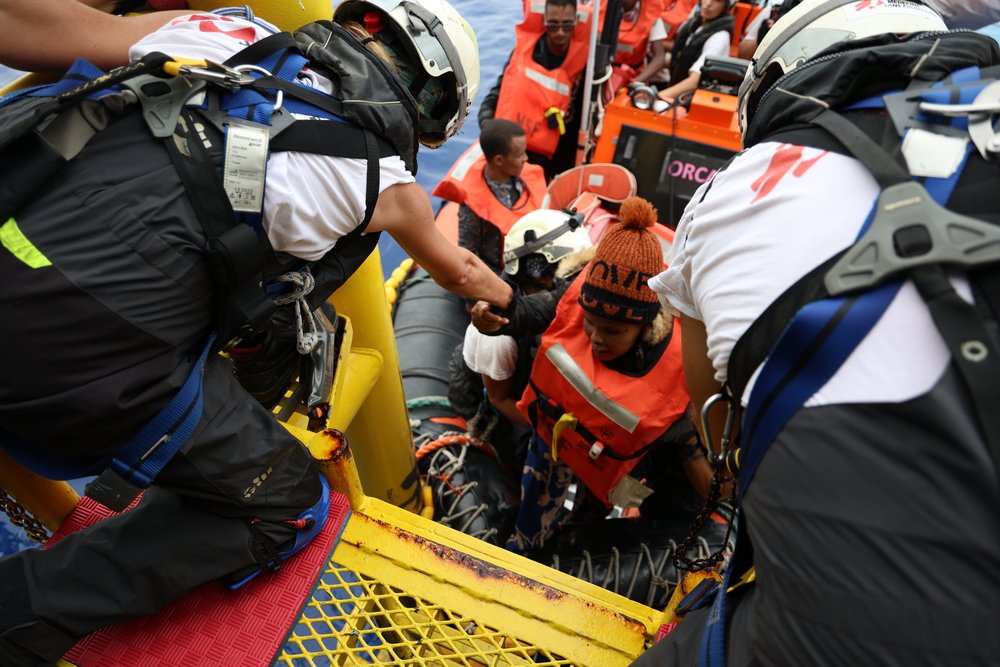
245	165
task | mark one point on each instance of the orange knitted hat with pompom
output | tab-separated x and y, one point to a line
627	256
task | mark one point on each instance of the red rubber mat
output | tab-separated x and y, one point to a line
212	626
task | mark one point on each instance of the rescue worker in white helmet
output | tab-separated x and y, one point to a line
534	249
834	311
112	322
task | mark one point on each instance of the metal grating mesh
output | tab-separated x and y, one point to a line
354	620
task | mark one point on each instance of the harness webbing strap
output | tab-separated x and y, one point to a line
824	333
137	463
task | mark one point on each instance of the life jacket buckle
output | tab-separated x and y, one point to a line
595	450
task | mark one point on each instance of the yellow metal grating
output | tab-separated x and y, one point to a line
354	620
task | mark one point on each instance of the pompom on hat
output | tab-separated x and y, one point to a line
628	255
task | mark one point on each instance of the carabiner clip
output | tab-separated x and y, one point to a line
727	431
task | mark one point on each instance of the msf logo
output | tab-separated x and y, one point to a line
868	4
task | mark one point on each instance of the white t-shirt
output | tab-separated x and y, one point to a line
775	213
310	200
494	356
716	45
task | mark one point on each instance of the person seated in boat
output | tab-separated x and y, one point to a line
494	191
540	87
640	19
111	304
534	249
707	33
662	34
606	397
861	427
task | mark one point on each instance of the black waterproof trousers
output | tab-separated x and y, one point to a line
876	542
106	304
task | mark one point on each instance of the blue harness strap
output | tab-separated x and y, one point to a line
137	463
809	351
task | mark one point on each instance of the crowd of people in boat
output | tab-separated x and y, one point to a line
133	255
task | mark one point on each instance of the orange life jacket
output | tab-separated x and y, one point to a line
633	36
529	90
675	13
465	183
618	416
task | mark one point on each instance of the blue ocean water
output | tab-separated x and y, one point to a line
493	23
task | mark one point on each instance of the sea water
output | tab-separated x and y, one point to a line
493	22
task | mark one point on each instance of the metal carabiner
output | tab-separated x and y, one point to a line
280	95
727	431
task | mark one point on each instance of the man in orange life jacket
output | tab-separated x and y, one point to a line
539	87
494	185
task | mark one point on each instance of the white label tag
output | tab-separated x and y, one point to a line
932	155
245	166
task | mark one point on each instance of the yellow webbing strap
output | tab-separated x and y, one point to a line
556	112
567	421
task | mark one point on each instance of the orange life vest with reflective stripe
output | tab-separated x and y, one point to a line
529	90
466	184
633	36
618	415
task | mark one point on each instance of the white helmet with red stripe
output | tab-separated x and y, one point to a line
817	25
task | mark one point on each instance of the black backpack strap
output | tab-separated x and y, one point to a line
234	251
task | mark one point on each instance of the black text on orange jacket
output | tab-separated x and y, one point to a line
529	90
618	415
465	183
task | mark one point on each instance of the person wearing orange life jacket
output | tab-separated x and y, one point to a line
494	185
635	34
707	33
661	42
539	87
607	397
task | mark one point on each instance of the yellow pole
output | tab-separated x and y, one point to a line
47	499
380	432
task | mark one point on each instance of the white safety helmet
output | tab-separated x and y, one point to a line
547	232
444	47
816	25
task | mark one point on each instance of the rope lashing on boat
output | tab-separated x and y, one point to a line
20	516
447	457
657	571
455	439
306	338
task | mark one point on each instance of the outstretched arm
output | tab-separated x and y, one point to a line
48	35
404	210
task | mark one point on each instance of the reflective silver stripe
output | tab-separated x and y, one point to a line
536	7
570	370
547	81
464	163
625	48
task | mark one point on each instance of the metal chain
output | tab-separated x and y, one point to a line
712	503
22	518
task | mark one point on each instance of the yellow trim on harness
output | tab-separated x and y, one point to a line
18	244
567	421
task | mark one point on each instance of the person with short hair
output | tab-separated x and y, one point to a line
494	185
539	87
